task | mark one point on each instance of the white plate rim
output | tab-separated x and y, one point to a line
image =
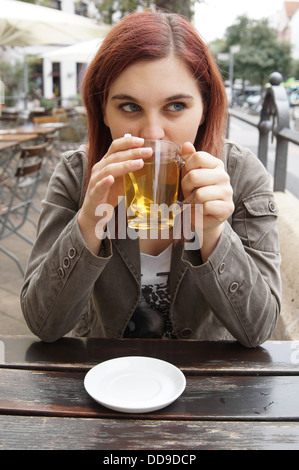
152	405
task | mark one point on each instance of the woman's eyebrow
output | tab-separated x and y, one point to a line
124	97
178	96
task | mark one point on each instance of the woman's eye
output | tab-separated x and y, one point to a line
130	107
176	107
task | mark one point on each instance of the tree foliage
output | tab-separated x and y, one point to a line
111	10
12	74
261	53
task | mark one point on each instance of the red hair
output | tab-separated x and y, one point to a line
151	36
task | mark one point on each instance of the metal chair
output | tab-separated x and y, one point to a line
16	194
52	154
12	162
43	119
30	151
35	151
9	162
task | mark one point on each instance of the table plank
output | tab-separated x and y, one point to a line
46	433
8	144
18	137
30	129
192	357
205	398
42	128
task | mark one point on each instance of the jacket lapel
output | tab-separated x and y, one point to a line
177	268
130	253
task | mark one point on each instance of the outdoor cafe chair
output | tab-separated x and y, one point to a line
16	194
31	152
51	155
45	119
11	163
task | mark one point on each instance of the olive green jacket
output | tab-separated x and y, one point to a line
234	295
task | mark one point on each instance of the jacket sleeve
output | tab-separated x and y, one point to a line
61	271
241	279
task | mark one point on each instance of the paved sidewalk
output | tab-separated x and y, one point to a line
288	325
11	280
12	321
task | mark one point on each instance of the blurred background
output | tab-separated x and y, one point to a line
45	48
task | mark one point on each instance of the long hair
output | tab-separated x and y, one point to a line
150	36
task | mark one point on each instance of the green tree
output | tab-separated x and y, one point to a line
109	8
183	7
295	69
12	77
261	53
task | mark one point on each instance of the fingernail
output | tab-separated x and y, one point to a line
144	151
137	163
137	140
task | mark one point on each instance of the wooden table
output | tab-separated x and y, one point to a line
41	129
8	136
24	130
4	145
235	398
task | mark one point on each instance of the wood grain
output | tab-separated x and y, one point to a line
36	433
205	398
192	357
235	398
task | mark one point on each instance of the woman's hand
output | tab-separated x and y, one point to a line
205	177
106	184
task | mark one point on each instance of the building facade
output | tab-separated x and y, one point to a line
288	26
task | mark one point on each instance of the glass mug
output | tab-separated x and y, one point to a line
151	192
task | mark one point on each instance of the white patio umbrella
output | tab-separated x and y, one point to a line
82	52
25	24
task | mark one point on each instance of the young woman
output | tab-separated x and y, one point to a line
154	78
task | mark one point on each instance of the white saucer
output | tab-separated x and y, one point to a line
135	384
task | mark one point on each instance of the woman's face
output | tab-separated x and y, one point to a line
155	100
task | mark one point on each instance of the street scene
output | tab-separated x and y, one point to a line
70	121
149	227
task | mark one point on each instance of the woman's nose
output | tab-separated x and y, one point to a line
152	129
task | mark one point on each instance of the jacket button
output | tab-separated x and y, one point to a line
66	262
72	253
186	332
272	206
221	268
60	272
233	287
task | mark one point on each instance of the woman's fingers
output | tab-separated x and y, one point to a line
121	158
116	169
199	178
127	147
219	209
205	177
102	187
201	160
126	154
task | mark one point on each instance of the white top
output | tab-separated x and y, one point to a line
151	317
155	269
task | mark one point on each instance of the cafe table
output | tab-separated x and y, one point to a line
24	130
20	138
7	144
40	129
235	398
